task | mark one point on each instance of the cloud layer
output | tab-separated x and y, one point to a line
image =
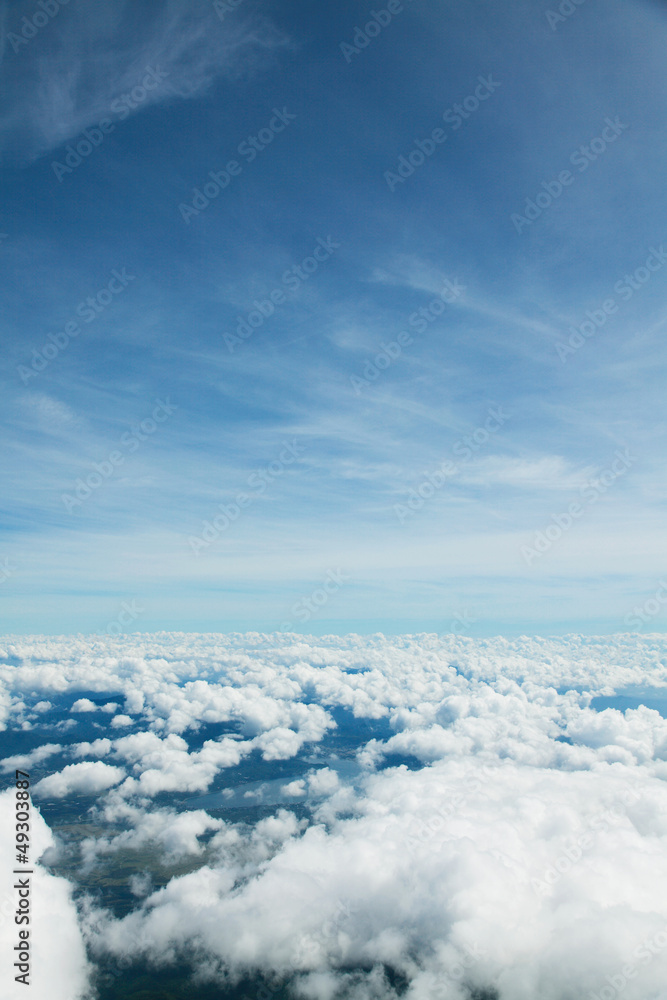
518	846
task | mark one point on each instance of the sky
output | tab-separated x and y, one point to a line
399	368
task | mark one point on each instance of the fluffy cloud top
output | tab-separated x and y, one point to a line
25	760
522	851
84	705
87	778
62	971
535	882
164	765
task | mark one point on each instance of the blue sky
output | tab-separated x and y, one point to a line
180	89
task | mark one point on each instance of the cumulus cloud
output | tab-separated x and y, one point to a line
84	705
324	781
296	788
87	778
121	721
98	748
276	829
279	743
25	761
520	845
503	874
176	834
165	765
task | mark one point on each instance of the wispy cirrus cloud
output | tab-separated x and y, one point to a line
69	74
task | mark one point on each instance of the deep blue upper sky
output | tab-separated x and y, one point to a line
583	94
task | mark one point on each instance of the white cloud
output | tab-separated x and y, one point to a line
165	765
276	829
178	834
98	748
84	705
526	853
25	761
61	972
324	781
279	744
439	865
295	788
87	778
121	721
